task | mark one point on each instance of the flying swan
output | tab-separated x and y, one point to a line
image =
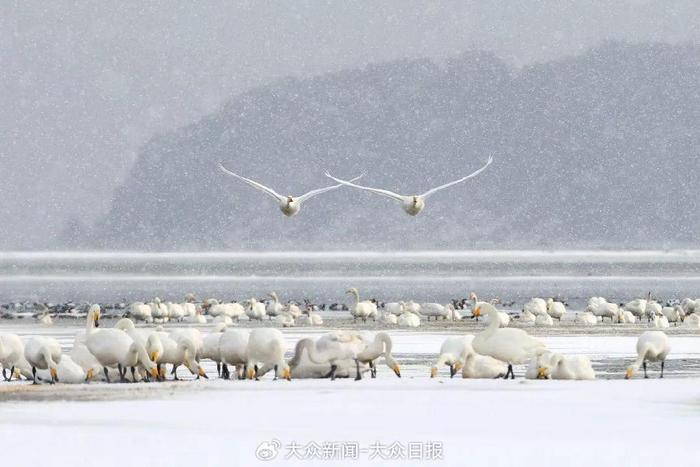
289	205
414	204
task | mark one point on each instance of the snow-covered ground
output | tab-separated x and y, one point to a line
466	422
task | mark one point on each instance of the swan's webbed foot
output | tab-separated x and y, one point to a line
452	371
106	372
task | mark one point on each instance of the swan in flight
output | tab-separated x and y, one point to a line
289	205
413	204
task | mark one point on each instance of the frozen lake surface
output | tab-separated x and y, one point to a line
609	421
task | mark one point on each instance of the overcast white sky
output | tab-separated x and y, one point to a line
84	84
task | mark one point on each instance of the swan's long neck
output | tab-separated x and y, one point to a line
355	294
494	319
275	300
90	325
383	341
142	357
640	359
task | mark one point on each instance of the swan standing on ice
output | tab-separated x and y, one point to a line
555	309
453	352
265	352
211	346
43	353
361	309
114	348
289	205
12	355
233	350
509	345
652	346
413	205
274	308
256	310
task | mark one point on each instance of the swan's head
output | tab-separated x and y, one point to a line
629	373
434	372
477	312
250	374
125	324
287	373
89	375
290	199
54	373
17	373
542	373
156	301
393	364
154	356
415	200
472	296
352	290
190	298
154	372
94	313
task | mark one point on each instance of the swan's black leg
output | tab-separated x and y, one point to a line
275	378
224	371
331	374
452	371
218	369
122	373
357	367
372	369
662	369
245	372
34	374
645	369
133	374
255	369
106	372
12	372
509	372
4	375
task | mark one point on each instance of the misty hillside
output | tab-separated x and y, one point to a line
599	150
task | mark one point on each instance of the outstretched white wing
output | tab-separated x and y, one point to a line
254	184
378	191
313	193
447	185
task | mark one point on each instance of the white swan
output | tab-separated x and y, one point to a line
536	306
637	307
293	309
265	352
285	319
411	307
673	314
363	349
274	308
114	348
652	346
414	204
289	205
179	350
211	343
255	310
409	320
453	352
526	316
361	309
544	320
483	366
68	371
558	366
43	353
158	310
626	317
586	318
452	313
555	309
395	308
388	318
506	344
599	306
659	321
140	312
436	310
233	350
12	357
302	367
81	355
175	311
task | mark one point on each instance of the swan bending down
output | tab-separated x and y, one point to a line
69	372
265	351
289	205
114	348
652	346
414	204
482	366
43	353
509	345
303	367
12	357
335	346
453	352
233	350
558	366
